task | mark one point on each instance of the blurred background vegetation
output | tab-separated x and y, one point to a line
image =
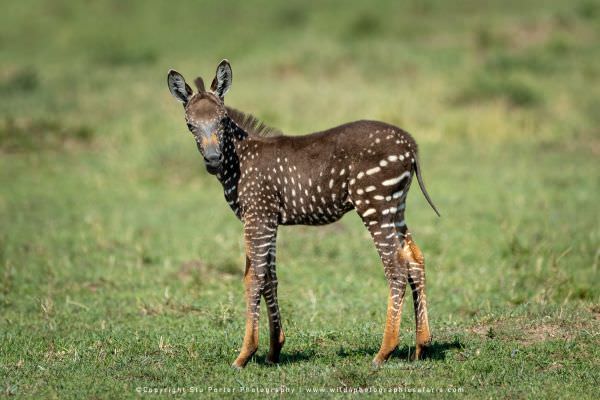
120	263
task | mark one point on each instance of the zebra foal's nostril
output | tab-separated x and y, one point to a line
213	155
213	159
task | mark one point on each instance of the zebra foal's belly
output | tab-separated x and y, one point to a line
314	214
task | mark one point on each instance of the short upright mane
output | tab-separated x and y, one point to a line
251	124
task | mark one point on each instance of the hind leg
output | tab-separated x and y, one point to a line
416	278
389	247
391	334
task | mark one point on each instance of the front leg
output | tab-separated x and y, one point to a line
277	337
252	293
258	238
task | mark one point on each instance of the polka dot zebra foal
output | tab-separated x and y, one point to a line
270	179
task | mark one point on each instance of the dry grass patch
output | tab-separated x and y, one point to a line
527	332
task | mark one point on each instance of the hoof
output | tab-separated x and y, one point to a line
272	360
420	353
422	348
237	367
242	359
377	362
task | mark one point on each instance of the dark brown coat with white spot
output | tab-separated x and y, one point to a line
272	180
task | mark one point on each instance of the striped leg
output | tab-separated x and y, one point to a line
250	343
384	235
416	278
258	247
277	337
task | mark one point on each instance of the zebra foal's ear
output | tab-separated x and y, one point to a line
222	82
179	89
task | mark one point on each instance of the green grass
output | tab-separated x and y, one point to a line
121	264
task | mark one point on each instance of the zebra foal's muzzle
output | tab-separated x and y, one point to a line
213	159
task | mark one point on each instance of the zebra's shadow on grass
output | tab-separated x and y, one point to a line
287	357
436	351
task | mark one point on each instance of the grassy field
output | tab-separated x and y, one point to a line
121	264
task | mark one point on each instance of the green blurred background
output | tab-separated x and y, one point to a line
121	264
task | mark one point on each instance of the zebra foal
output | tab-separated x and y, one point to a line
270	179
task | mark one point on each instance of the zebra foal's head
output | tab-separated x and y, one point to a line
205	112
